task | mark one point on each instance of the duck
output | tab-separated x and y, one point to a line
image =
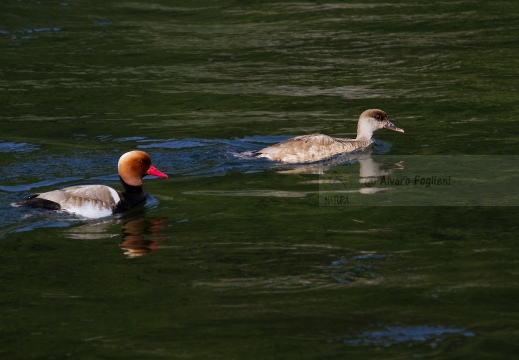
316	147
98	201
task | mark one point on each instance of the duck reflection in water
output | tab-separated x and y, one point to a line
369	169
141	236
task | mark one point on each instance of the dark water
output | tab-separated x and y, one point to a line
237	258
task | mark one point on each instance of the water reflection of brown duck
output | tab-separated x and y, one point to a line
315	147
97	201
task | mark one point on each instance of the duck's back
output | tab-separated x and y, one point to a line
90	201
310	148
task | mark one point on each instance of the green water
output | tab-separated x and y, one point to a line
233	257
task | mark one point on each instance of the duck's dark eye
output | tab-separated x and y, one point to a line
378	117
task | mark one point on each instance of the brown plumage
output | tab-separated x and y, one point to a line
315	147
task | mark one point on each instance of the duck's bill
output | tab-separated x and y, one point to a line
390	126
153	171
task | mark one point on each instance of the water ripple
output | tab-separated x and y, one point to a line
8	147
392	335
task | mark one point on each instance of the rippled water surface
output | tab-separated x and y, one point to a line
236	257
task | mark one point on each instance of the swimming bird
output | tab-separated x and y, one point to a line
315	147
97	201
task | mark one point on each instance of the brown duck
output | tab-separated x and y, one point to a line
315	147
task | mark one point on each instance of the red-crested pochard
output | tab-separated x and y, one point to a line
315	147
96	201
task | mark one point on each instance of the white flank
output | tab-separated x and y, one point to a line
89	209
115	195
90	201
